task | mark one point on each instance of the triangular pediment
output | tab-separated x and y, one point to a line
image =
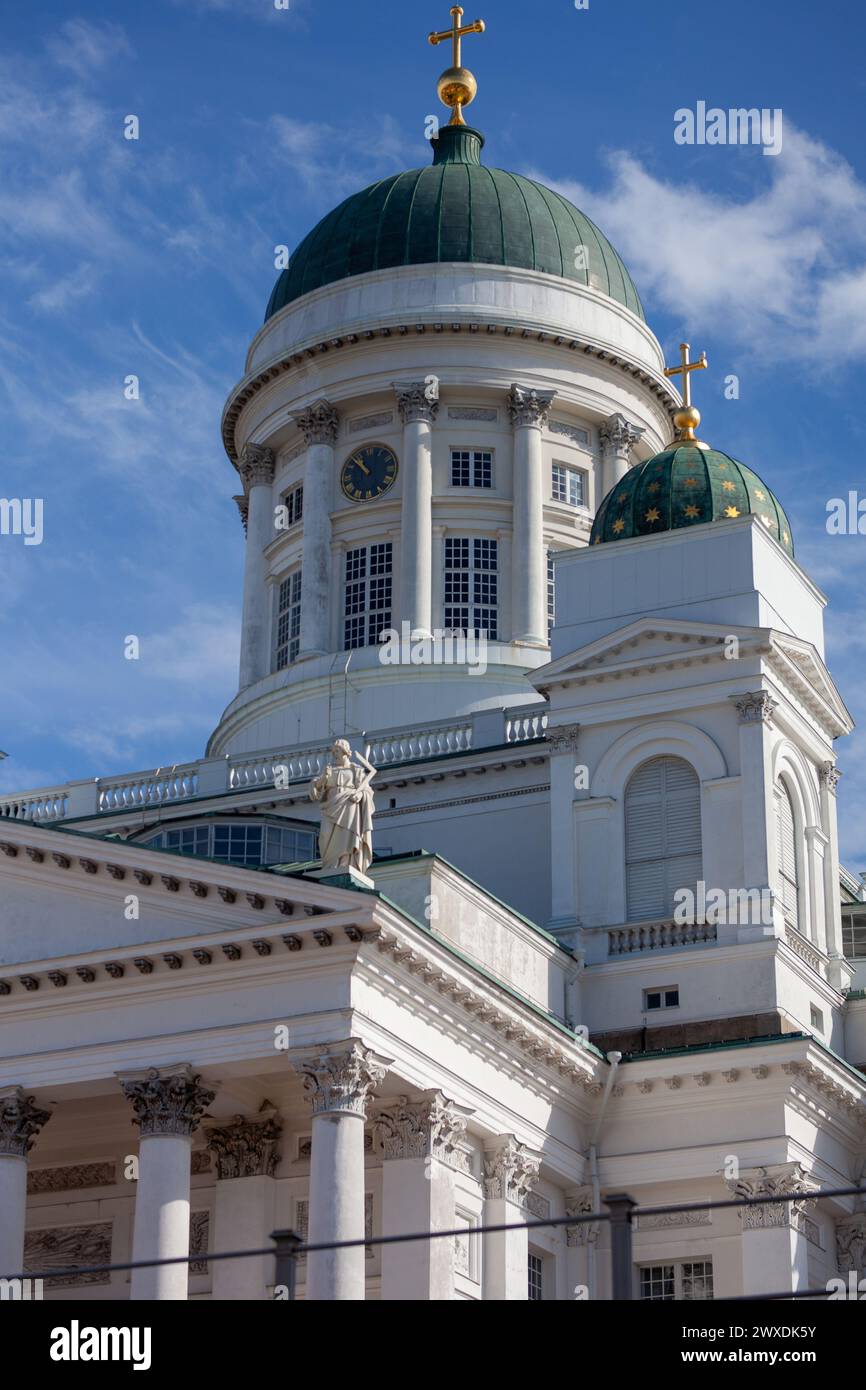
799	666
643	644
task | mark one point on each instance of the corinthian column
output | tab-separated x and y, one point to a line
319	425
257	471
774	1244
510	1171
246	1154
338	1082
529	414
422	1148
20	1122
168	1104
417	412
618	438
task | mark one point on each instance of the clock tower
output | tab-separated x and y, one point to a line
453	371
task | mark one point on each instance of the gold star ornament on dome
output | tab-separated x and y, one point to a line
457	85
688	417
692	511
618	526
653	514
732	511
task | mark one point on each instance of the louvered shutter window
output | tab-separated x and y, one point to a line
786	847
662	836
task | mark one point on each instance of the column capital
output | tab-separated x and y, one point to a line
416	401
579	1202
432	1127
319	423
755	707
563	738
851	1244
619	435
167	1100
248	1147
242	502
527	406
777	1180
829	775
510	1170
340	1079
257	465
21	1120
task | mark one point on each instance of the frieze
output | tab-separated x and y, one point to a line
64	1247
71	1176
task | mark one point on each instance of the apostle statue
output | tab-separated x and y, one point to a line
344	793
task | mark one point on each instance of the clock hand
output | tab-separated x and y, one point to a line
363	467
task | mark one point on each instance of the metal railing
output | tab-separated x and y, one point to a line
621	1209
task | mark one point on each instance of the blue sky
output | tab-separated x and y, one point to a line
155	257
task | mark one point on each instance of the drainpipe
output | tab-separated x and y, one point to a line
614	1058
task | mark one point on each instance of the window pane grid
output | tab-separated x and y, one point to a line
368	594
535	1273
471	468
471	586
569	485
685	1280
294	504
239	844
288	620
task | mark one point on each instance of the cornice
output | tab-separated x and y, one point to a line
313	349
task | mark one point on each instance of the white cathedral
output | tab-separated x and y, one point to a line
604	944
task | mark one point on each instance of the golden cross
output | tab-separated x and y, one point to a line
456	33
684	370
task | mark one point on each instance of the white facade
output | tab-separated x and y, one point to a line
302	1055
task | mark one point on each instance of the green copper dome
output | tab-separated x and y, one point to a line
455	210
685	486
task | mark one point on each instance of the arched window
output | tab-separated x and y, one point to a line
787	858
662	836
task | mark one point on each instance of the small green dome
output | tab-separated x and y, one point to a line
455	210
685	486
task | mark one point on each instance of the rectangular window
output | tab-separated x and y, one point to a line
472	586
668	997
569	485
288	620
816	1019
683	1280
471	468
238	844
367	604
535	1273
854	937
294	504
288	846
192	840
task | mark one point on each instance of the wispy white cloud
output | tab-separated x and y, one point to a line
83	47
783	268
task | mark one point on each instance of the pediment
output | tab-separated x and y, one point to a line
799	666
644	644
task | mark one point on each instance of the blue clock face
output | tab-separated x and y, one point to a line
369	473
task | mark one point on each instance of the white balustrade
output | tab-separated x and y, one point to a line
180	783
657	936
147	788
34	806
525	723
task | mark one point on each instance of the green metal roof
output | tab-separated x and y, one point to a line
686	486
455	210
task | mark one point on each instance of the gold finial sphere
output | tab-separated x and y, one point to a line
457	87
